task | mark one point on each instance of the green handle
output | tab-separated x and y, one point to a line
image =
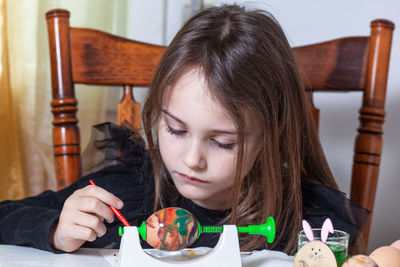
267	229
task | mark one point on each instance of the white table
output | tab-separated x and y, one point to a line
14	256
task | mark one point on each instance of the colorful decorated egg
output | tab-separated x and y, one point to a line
171	229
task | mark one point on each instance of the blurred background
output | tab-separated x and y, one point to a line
26	158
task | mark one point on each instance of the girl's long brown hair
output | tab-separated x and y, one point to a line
249	68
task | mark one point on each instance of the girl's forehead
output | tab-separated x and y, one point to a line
189	78
190	98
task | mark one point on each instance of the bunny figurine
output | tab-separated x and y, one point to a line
316	253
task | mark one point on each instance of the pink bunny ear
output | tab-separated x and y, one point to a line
308	231
327	228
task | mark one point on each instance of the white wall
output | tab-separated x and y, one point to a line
310	21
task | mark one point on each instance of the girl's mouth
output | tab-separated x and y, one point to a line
191	180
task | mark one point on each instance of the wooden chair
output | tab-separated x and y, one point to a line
355	64
88	56
93	57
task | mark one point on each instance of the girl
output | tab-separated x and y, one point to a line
231	139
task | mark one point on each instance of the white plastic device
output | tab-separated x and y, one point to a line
225	254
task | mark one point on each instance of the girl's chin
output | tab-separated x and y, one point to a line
202	200
193	194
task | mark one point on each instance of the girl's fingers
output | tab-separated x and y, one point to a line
101	194
79	232
96	207
93	225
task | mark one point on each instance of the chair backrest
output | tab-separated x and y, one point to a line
94	57
355	64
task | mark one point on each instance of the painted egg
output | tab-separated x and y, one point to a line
360	261
386	256
171	229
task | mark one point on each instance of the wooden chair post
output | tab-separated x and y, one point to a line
64	105
368	146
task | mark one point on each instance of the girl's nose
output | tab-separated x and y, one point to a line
193	156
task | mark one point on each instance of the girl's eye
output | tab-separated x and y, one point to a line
175	132
182	132
224	146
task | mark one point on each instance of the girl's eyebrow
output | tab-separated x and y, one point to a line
172	116
218	131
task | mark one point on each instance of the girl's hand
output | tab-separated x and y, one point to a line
82	218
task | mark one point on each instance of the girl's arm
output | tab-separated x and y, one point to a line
30	221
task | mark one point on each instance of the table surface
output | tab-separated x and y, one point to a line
16	256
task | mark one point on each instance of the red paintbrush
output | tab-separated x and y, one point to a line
116	212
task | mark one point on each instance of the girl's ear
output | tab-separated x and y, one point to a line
327	228
308	230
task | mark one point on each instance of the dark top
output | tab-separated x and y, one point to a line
28	221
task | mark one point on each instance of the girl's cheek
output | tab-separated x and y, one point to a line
225	163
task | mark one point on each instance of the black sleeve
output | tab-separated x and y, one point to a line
28	222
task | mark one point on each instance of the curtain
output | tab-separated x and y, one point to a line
29	141
11	182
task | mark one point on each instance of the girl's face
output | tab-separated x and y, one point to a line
198	143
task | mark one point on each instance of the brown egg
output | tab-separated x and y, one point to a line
386	256
360	261
396	244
